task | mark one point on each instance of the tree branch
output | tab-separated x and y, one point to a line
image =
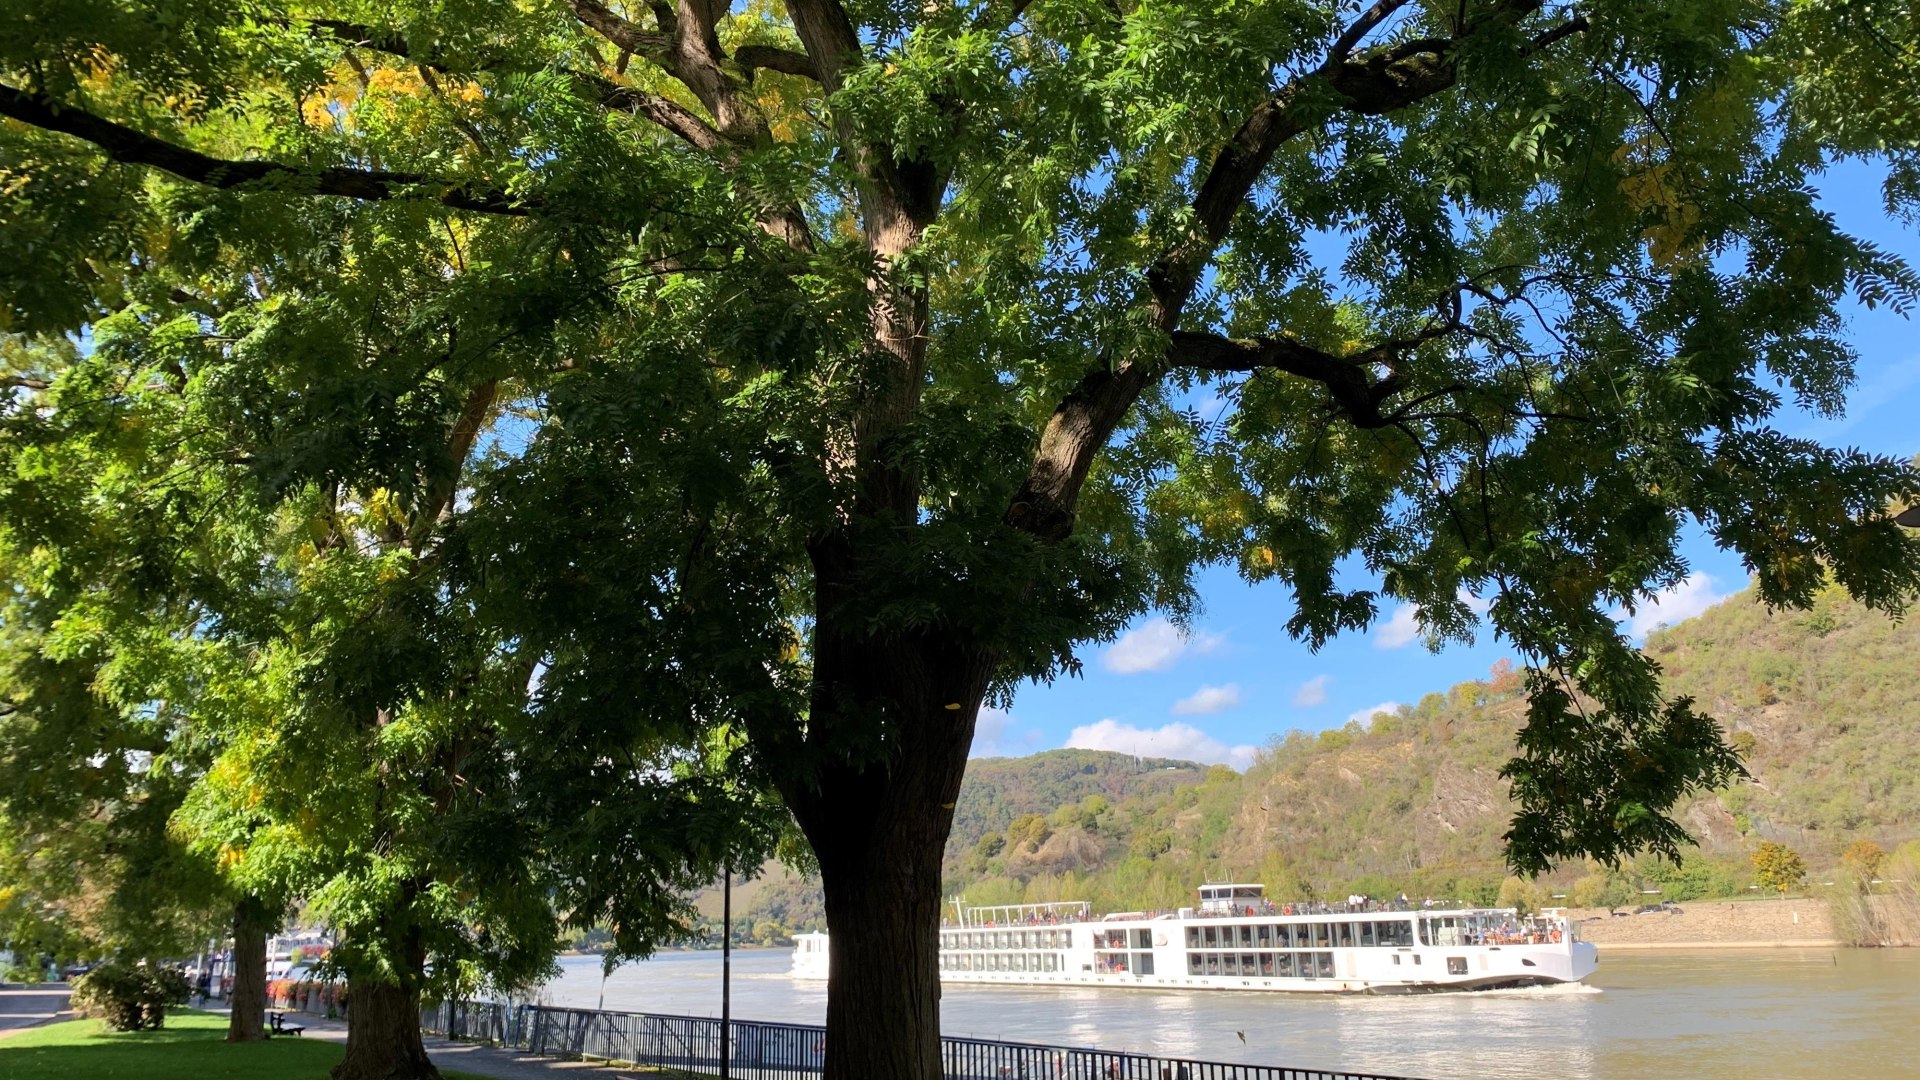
1377	82
774	58
125	145
22	382
1350	382
829	36
1362	26
627	35
387	41
460	440
668	114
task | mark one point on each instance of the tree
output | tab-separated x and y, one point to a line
1604	887
1026	834
851	354
1864	857
94	762
1522	895
323	727
1777	866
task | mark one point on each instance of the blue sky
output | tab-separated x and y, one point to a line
1239	679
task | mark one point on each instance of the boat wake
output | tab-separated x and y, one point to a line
1557	990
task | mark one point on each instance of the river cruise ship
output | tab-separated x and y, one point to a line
1237	939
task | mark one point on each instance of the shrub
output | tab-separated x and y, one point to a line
129	997
22	973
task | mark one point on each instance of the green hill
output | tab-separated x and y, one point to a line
1825	704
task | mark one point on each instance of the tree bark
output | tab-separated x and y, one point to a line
383	1034
879	827
383	1023
251	922
883	997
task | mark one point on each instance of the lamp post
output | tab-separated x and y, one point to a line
726	972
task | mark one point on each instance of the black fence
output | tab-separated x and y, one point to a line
763	1051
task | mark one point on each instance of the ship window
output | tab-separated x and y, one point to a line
1264	934
1366	933
1210	938
1326	965
1019	961
1396	959
1528	962
1246	935
1456	965
1285	965
1213	963
1193	963
1416	958
1266	964
1143	939
1248	965
1143	964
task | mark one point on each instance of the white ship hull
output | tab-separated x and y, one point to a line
1406	952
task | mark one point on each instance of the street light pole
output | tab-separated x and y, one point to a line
726	972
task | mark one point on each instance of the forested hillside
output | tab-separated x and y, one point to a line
1823	703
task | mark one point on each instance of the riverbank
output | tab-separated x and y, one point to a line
1715	924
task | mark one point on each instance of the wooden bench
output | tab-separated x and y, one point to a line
277	1025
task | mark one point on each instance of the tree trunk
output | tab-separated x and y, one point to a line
248	1020
383	1022
383	1034
879	825
883	993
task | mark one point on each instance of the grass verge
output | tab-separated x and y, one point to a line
190	1047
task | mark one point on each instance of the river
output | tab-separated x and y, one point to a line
1772	1013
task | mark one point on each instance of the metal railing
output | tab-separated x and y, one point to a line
768	1051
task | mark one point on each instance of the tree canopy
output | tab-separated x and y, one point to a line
773	383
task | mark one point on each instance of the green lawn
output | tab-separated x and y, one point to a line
190	1047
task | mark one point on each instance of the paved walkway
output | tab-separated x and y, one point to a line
22	1007
471	1058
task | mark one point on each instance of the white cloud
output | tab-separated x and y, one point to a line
1365	716
1155	645
1404	626
1183	742
993	736
1208	700
1399	630
1668	606
1312	692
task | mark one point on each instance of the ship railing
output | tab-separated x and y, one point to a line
758	1050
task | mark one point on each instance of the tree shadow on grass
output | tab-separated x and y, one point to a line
191	1047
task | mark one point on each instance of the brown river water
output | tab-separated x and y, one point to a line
1831	1014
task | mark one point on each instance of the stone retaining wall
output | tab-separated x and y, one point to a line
1714	922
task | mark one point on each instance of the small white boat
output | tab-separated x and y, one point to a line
1237	939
